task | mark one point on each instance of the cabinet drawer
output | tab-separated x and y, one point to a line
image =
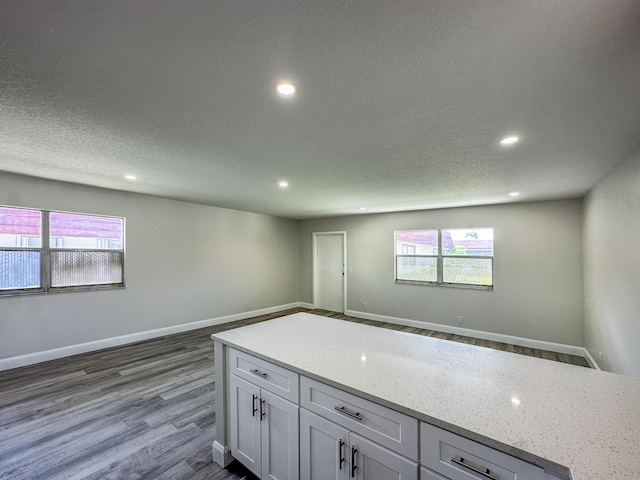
394	430
459	458
266	375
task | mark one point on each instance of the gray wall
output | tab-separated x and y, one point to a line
184	263
538	280
612	269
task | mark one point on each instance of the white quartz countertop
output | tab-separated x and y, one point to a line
573	421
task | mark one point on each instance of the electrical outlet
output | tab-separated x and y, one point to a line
460	319
600	357
364	305
246	305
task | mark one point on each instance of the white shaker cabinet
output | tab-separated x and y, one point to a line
458	458
246	442
331	452
324	449
343	436
373	462
264	431
426	474
285	414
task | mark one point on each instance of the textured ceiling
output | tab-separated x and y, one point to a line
400	104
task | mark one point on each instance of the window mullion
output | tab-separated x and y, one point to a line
440	261
45	253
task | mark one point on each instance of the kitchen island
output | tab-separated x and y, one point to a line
570	422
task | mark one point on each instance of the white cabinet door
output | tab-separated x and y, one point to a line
280	446
373	462
324	449
264	431
426	474
245	423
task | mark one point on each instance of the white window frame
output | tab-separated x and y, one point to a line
45	258
440	256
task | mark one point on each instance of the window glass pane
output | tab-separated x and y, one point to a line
421	269
408	249
471	271
20	227
420	242
74	231
70	269
19	269
468	241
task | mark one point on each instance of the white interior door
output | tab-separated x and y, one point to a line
329	271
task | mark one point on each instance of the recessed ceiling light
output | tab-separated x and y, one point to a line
131	177
514	194
363	208
509	140
283	184
286	88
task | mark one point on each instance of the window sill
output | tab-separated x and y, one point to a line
88	288
447	285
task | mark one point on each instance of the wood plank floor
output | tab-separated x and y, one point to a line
141	411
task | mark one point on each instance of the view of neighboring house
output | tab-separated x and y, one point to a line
73	240
465	256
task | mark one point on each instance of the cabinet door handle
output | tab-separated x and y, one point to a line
263	411
353	461
345	411
486	473
340	457
258	373
253	405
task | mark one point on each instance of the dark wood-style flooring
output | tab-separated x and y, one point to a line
140	411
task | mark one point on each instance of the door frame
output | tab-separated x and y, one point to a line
344	266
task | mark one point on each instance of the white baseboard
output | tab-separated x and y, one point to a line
46	355
496	337
590	360
221	455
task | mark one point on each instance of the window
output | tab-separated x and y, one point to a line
43	251
409	251
20	249
461	256
420	263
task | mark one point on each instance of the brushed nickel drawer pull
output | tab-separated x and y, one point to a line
345	411
258	373
486	473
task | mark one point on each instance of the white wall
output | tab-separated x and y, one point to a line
188	262
184	263
538	280
612	269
